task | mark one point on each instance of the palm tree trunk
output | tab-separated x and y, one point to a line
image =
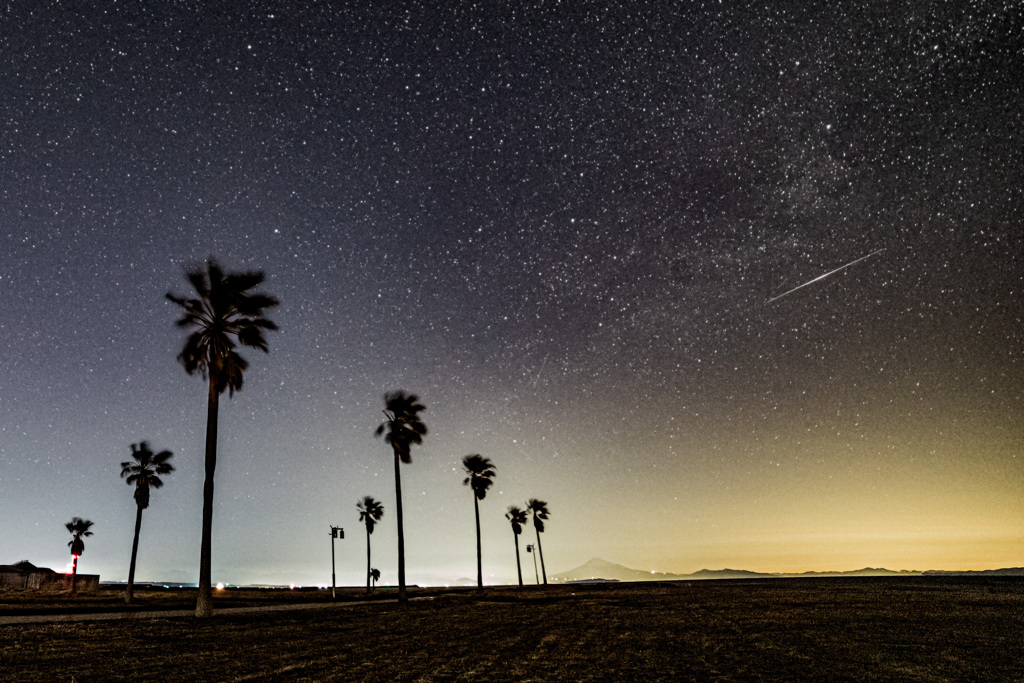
402	596
74	573
367	558
540	551
204	603
130	591
479	565
519	567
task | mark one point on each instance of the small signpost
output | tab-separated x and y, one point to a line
336	532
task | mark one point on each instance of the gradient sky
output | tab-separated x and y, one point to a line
560	224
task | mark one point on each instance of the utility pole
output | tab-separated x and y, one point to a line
529	549
338	532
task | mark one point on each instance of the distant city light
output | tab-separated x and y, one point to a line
220	586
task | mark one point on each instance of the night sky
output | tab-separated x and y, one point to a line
560	224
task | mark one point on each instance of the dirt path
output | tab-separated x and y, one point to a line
166	614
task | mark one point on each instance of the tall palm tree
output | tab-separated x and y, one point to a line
224	313
78	528
481	473
144	473
540	513
518	518
401	429
370	512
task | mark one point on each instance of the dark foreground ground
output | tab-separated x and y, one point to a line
906	629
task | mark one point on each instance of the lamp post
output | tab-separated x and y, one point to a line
529	549
336	532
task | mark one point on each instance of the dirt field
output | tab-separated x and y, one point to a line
111	599
907	629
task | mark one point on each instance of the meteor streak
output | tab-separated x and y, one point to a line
537	379
822	277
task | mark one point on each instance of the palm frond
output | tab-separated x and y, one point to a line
243	281
252	305
264	323
252	336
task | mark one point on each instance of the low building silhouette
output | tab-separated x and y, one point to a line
26	576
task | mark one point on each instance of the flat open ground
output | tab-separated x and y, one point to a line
907	629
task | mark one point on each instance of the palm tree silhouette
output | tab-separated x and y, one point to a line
518	518
375	575
225	311
401	429
481	473
144	473
370	512
540	513
78	528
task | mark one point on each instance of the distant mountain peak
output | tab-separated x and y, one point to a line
600	568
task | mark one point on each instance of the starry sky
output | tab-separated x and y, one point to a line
561	225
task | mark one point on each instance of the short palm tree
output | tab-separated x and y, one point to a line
144	471
375	575
402	428
370	512
481	473
518	518
539	509
224	313
78	528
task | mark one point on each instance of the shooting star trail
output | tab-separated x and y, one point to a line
822	277
537	378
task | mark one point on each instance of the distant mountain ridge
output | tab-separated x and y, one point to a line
597	569
1007	571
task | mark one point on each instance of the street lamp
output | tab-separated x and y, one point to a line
529	549
336	532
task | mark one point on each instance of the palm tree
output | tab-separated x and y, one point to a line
370	512
78	528
481	473
401	429
144	473
375	575
224	312
540	513
518	518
